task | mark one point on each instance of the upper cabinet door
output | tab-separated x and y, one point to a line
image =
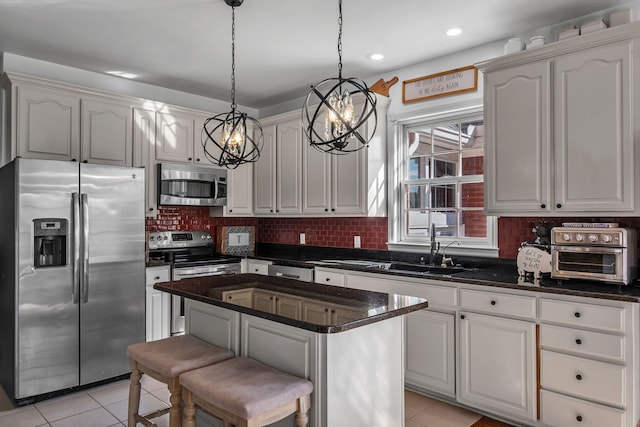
594	125
289	172
107	135
317	180
349	183
48	123
174	133
264	174
518	149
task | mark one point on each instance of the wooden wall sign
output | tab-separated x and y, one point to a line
446	83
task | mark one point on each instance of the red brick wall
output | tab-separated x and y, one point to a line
513	231
339	232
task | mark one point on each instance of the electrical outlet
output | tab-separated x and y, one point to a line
302	238
356	241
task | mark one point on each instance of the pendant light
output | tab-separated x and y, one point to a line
227	138
336	110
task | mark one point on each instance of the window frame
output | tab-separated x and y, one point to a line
399	160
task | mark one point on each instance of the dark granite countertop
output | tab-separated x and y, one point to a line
365	306
500	273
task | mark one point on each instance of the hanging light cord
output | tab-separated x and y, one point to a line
233	58
340	39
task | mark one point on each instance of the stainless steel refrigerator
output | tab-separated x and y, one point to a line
72	259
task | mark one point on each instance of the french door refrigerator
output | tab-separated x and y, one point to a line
72	260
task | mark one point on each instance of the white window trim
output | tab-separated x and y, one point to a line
396	130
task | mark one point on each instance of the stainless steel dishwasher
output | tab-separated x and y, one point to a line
298	273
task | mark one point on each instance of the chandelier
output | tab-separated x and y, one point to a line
233	138
336	110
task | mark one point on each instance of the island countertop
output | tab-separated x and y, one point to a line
311	306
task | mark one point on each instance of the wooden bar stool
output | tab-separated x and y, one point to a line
165	360
245	393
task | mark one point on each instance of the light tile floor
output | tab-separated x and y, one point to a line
106	406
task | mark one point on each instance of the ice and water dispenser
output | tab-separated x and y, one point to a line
49	242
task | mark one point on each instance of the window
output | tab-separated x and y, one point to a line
440	184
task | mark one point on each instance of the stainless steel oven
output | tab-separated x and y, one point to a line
191	254
605	254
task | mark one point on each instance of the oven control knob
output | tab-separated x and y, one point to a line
607	238
566	237
579	237
593	238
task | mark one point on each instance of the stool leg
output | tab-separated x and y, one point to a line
134	394
189	409
302	414
175	413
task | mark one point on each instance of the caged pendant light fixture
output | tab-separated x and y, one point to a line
336	110
227	139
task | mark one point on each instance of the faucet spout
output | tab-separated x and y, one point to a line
435	246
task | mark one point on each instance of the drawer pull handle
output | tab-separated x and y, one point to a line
579	377
328	279
579	418
256	270
578	341
462	316
156	278
577	314
493	302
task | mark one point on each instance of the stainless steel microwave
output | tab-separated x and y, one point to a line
186	185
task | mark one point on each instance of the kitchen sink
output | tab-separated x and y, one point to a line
422	268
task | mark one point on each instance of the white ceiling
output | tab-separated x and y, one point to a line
282	46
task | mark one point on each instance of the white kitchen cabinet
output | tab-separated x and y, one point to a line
257	266
107	135
46	122
430	362
329	276
158	304
430	351
55	121
560	124
240	191
589	362
334	184
174	137
497	364
278	171
144	142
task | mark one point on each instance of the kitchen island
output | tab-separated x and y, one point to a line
348	342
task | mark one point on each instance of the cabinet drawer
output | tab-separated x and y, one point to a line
496	303
582	315
599	381
559	410
588	343
329	278
256	268
154	275
438	296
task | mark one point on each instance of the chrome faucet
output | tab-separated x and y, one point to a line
446	260
435	246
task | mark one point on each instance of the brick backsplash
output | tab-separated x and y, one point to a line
514	230
339	232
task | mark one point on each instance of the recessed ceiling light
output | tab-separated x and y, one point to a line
452	32
376	56
123	74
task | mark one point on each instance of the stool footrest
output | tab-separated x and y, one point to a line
144	419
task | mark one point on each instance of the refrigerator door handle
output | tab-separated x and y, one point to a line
85	248
75	284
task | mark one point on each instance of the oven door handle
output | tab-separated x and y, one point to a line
587	249
186	275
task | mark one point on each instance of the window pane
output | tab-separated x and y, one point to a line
473	223
443	196
472	162
446	222
417	223
446	138
417	197
418	168
445	165
471	195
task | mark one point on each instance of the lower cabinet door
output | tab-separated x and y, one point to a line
558	410
497	365
430	355
158	314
